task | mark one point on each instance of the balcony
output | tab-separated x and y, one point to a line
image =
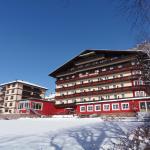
104	91
121	79
102	73
105	63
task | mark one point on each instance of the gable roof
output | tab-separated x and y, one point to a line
88	52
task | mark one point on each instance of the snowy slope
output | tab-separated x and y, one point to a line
61	133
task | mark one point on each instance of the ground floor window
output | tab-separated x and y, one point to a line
90	108
20	106
106	107
115	106
98	107
37	106
148	106
125	106
145	106
82	108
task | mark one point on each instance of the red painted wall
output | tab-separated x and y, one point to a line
133	107
48	108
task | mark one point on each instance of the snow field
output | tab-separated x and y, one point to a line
61	133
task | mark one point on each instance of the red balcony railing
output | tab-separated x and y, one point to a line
127	78
102	73
104	91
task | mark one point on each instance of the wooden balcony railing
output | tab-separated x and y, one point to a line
94	66
102	82
104	91
102	73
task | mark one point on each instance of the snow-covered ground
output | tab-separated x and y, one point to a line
61	133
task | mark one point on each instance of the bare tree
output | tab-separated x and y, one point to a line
137	13
143	58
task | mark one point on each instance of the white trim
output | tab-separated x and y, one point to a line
118	100
115	104
124	108
82	107
97	105
106	109
88	107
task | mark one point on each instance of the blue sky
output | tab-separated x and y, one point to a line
37	36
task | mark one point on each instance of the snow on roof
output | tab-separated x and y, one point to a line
24	82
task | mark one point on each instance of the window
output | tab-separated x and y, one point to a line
6	98
115	96
125	106
37	106
81	82
82	100
145	106
27	105
142	105
10	104
6	110
99	79
89	98
8	86
106	78
148	106
9	111
98	107
121	75
20	105
107	97
115	106
13	91
7	92
106	107
14	85
140	93
123	95
12	97
90	108
82	108
122	85
106	87
114	86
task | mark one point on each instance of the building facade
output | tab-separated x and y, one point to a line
39	107
17	90
102	82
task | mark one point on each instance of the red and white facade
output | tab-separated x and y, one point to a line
102	82
40	107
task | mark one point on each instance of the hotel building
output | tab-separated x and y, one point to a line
102	82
